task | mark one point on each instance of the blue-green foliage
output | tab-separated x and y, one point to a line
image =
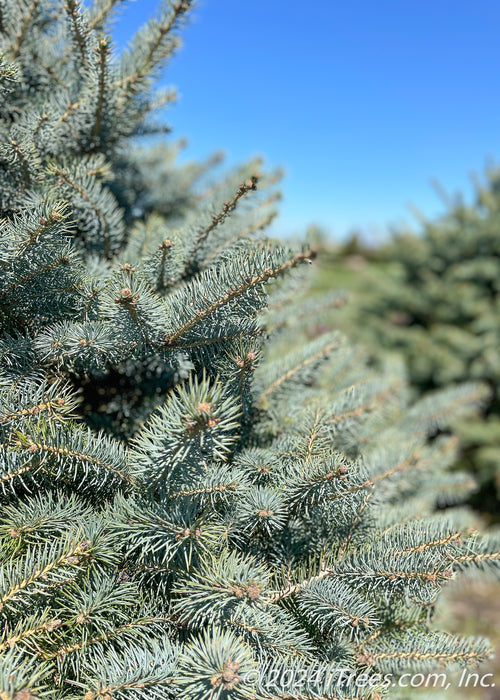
435	300
197	500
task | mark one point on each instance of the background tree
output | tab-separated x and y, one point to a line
434	298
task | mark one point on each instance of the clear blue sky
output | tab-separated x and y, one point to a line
361	101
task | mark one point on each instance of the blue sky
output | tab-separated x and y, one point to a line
362	102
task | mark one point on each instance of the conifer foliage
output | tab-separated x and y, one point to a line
197	500
437	302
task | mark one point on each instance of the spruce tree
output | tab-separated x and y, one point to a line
197	499
434	297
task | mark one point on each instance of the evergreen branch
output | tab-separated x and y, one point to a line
163	29
453	538
50	406
41	120
98	19
143	669
355	524
289	374
232	294
165	247
103	51
220	339
477	558
277	695
197	422
38	517
355	413
218	187
323	605
23	678
137	303
22	34
218	219
368	483
10	476
469	657
64	451
337	302
61	652
293	589
254	630
55	77
25	165
62	173
26	634
246	365
149	567
258	225
72	557
430	576
227	209
394	625
72	107
61	260
202	491
259	628
27	442
72	7
440	657
108	691
314	433
93	296
438	408
414	460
